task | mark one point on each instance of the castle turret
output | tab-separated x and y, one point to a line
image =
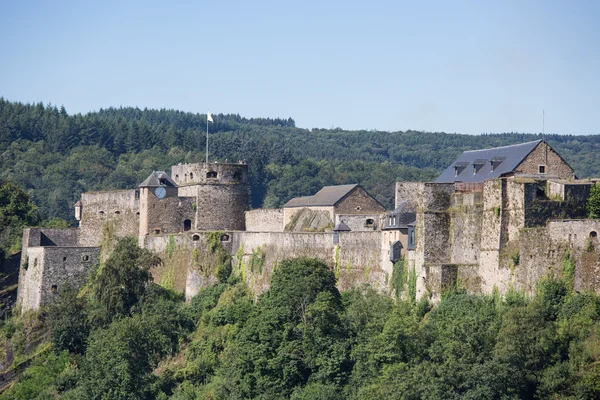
220	191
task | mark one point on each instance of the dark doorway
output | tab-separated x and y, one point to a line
187	225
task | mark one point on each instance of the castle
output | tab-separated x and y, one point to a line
495	219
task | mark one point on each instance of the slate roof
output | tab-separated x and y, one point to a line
328	196
505	160
403	218
154	180
342	227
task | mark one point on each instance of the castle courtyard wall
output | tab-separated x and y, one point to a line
264	220
118	210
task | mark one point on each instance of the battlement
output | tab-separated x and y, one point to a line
216	173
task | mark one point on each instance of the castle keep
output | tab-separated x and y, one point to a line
498	218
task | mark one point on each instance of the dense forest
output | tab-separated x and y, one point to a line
123	337
55	156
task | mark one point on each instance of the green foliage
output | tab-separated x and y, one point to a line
412	285
593	202
69	326
38	380
399	277
171	246
568	270
122	280
17	211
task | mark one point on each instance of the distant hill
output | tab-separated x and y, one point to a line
56	156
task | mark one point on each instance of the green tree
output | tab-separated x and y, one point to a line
593	202
122	281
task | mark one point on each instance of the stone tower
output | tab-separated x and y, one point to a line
220	191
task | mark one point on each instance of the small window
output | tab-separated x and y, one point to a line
237	175
162	181
137	194
101	213
137	213
357	208
370	222
177	177
191	175
542	169
85	257
117	212
211	174
195	238
593	234
157	231
225	237
187	225
54	288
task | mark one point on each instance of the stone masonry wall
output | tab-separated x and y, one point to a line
359	222
407	191
45	270
544	155
264	220
117	208
358	202
221	207
201	173
256	254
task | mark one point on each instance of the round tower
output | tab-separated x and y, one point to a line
220	191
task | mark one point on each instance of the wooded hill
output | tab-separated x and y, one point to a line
56	156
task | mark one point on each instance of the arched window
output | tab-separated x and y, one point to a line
191	175
224	237
117	212
195	238
187	225
593	234
101	213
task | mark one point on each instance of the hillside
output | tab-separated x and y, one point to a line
56	156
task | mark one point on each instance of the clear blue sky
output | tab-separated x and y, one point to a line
453	66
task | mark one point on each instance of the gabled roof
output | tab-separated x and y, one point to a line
342	227
154	180
503	160
328	196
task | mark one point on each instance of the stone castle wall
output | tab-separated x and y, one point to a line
408	191
361	222
221	207
357	259
117	209
202	173
45	270
264	220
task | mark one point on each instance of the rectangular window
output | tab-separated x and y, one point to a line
542	169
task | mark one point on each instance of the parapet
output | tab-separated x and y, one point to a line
216	173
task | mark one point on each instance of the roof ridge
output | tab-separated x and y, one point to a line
505	147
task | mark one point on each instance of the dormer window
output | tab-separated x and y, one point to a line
496	161
478	164
162	181
459	167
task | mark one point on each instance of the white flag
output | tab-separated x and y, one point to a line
209	117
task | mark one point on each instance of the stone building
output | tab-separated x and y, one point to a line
495	219
330	205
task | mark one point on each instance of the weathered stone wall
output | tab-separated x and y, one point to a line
117	208
361	222
45	270
356	261
358	202
544	155
221	207
409	192
264	220
465	227
167	215
50	237
310	220
202	173
493	215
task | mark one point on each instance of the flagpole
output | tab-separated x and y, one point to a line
207	114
